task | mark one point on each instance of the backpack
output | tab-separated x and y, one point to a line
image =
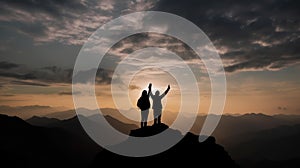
139	103
143	103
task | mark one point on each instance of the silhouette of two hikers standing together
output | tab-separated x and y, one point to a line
144	104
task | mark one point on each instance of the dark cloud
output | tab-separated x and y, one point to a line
7	65
142	40
68	21
281	108
52	74
19	82
103	76
250	35
52	7
40	74
7	95
270	57
39	19
68	93
17	75
134	87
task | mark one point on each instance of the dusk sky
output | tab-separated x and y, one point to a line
258	42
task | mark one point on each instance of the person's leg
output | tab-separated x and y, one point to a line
146	113
159	116
142	119
159	119
143	114
155	116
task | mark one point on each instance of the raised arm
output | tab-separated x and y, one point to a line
149	89
166	92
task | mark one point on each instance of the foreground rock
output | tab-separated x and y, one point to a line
188	151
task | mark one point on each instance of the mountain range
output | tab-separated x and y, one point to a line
252	140
64	143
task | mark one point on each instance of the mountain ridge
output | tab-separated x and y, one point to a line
25	145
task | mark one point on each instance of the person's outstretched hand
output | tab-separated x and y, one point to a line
168	86
150	85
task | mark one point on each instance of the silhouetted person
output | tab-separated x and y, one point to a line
144	104
157	106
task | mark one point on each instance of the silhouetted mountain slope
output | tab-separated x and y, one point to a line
114	113
293	119
290	163
24	145
41	121
62	115
73	125
231	129
281	143
122	127
26	112
188	150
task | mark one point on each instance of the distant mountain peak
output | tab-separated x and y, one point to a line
41	121
256	115
15	122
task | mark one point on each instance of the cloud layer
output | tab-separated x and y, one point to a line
250	35
69	22
16	74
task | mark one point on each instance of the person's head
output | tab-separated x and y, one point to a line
144	93
157	93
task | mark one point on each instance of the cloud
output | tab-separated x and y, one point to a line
281	108
68	93
134	87
250	35
17	75
103	76
45	76
142	40
7	65
7	95
18	82
140	5
70	21
269	57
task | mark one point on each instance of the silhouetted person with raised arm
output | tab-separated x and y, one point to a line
157	106
144	104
